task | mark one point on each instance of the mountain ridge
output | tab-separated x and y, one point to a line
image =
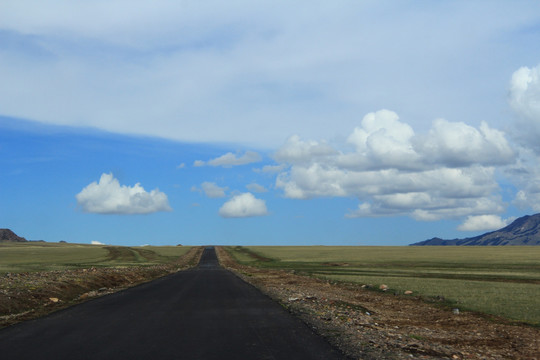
524	231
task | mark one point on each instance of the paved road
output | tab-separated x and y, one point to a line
203	313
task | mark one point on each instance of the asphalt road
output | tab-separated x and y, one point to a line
203	313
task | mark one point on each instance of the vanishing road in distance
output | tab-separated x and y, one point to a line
203	313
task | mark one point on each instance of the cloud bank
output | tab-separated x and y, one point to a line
243	205
446	173
210	71
109	197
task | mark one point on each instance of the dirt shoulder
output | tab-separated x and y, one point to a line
25	296
367	324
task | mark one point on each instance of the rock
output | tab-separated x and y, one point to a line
291	299
455	311
408	292
54	300
9	236
383	287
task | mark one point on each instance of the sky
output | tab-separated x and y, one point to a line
268	122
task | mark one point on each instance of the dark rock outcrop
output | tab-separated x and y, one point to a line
524	231
7	235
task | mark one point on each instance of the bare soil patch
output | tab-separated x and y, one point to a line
368	324
25	296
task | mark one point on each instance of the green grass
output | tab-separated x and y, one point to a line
503	281
29	257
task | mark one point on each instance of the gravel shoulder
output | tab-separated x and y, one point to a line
367	324
25	296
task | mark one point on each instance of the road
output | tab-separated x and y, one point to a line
203	313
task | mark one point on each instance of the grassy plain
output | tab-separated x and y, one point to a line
503	281
41	256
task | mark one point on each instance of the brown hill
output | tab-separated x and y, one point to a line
523	231
7	235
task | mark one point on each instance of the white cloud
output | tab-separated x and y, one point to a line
525	92
271	169
254	187
216	72
94	242
243	205
525	100
181	166
109	197
458	144
230	160
483	223
212	190
447	173
384	139
297	151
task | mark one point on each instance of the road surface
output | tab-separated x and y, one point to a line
203	313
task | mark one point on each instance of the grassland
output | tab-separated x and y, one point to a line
38	256
503	281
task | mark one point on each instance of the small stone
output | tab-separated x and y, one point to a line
455	311
54	300
408	292
383	287
291	299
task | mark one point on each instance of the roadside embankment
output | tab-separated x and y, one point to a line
368	324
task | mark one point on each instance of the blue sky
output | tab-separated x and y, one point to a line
343	123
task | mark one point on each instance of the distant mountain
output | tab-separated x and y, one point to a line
523	231
7	235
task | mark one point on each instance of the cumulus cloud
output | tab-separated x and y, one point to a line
94	242
525	92
243	205
458	144
230	160
524	98
109	197
483	223
212	190
447	173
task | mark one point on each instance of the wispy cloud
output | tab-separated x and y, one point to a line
211	189
229	160
254	187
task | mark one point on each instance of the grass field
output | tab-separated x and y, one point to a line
502	281
38	256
